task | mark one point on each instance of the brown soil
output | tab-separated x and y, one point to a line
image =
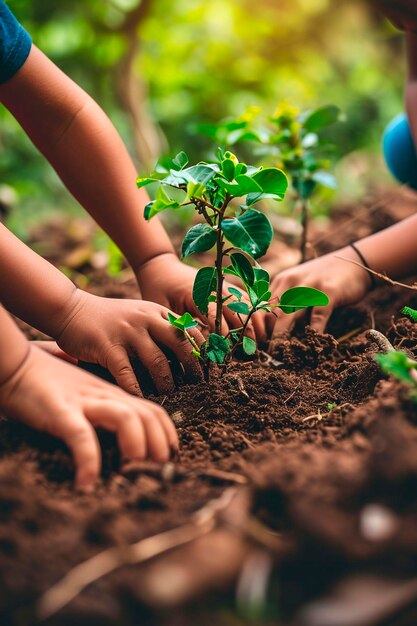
318	457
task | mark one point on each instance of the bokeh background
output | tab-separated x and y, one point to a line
159	67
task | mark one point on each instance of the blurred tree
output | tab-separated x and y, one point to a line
159	67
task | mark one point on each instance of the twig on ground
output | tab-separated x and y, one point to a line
242	387
230	477
381	341
91	570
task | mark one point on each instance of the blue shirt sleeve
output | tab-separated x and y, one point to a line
15	43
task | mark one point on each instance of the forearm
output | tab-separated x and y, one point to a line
14	347
83	146
30	287
392	251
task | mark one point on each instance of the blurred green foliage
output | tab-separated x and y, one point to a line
201	61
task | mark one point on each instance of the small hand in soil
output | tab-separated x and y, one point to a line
108	331
53	396
343	282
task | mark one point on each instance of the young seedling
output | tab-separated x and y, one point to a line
410	313
293	139
398	363
238	231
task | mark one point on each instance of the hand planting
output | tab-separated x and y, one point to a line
238	231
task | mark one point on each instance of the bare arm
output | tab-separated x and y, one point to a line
83	146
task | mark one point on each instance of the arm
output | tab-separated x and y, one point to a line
83	146
91	328
50	395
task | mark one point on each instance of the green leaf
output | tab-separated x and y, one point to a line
398	364
241	268
217	348
239	307
235	292
198	239
184	322
261	274
161	203
181	160
261	288
324	116
251	232
248	345
196	174
244	184
228	169
204	284
142	182
272	181
409	312
299	298
241	168
195	190
200	173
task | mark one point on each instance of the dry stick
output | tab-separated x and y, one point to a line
91	570
378	275
381	341
231	477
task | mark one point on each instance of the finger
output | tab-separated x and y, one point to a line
182	349
166	422
259	326
122	419
117	362
156	363
82	441
157	441
319	317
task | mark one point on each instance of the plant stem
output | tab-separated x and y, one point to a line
219	267
242	333
304	223
192	341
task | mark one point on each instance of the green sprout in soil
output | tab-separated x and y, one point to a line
294	140
410	313
401	366
224	192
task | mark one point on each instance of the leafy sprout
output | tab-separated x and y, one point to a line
293	139
224	193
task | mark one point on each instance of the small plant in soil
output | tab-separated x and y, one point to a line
398	363
225	192
294	140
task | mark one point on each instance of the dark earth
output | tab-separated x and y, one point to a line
304	462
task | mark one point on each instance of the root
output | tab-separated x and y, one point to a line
383	344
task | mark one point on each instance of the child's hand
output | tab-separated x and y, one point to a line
51	347
402	13
52	396
343	282
166	280
107	331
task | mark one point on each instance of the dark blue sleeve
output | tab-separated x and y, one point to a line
15	43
